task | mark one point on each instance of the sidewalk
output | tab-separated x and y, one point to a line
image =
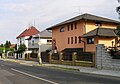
79	68
91	70
21	61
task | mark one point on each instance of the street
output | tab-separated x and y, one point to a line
15	73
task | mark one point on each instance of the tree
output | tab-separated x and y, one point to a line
21	48
2	45
16	47
7	44
118	9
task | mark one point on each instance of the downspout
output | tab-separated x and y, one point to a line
97	32
85	25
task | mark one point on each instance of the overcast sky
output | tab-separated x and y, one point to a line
17	15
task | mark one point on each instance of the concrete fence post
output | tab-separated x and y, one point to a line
50	58
60	57
74	58
93	58
99	58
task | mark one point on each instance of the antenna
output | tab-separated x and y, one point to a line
78	10
34	23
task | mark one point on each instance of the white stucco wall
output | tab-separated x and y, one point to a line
23	41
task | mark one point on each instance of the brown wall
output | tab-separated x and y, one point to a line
62	37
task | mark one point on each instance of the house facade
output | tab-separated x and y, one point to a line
22	38
84	31
44	37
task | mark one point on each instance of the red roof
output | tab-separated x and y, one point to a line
28	32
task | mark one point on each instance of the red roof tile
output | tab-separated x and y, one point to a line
28	32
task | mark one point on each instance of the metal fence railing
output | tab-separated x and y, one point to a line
84	56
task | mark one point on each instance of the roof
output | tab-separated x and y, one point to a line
12	45
85	17
44	34
107	32
28	32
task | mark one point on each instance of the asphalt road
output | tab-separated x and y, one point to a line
14	73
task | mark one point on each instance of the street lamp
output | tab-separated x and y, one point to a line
39	53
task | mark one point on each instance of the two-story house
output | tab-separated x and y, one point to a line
84	31
22	38
44	37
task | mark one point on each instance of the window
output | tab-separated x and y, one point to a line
75	39
98	24
68	27
68	40
29	42
49	41
79	38
71	40
71	26
90	40
32	42
62	29
20	42
75	25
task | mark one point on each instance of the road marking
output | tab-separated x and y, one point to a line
34	76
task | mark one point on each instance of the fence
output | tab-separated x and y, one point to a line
104	60
45	56
31	56
76	59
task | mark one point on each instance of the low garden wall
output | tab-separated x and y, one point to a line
104	60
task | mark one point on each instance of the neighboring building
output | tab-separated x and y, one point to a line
84	31
22	38
13	46
44	37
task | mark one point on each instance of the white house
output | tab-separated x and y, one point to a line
22	38
44	38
